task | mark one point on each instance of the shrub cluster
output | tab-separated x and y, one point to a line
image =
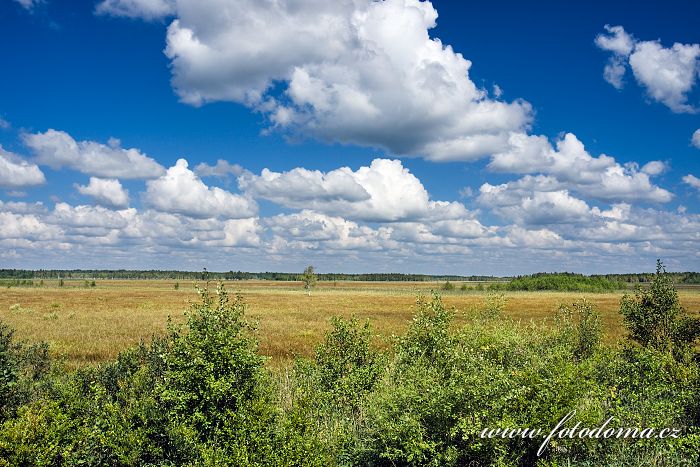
202	394
567	282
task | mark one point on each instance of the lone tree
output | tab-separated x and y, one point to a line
656	319
309	279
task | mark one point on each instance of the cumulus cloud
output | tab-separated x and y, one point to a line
573	168
522	203
222	169
15	172
695	140
108	192
92	232
654	168
621	44
692	180
57	149
352	71
25	227
667	73
4	124
309	229
179	190
19	207
383	192
146	9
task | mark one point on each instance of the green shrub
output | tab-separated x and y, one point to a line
347	367
581	324
656	319
493	307
201	395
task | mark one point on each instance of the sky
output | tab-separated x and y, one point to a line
408	136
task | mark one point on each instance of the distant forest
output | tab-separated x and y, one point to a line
231	275
631	278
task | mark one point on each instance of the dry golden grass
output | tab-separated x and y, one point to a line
88	325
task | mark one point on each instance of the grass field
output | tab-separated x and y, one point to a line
84	325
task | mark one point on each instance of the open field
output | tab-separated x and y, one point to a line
85	325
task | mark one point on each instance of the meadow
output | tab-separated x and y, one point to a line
85	325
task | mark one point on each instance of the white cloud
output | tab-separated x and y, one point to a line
91	216
308	229
28	227
575	169
181	191
146	9
15	172
222	169
4	124
108	192
667	74
356	71
617	40
22	207
58	149
29	5
534	201
461	229
654	168
695	140
384	192
692	180
536	238
127	237
621	44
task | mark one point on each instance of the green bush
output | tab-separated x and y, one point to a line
656	319
201	395
581	324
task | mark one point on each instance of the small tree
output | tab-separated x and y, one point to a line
655	317
309	279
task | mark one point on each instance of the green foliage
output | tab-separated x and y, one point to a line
563	281
18	283
448	286
493	307
212	369
22	367
309	279
201	395
656	319
345	364
581	324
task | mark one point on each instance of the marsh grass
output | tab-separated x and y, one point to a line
91	325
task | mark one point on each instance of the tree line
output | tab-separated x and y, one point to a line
687	277
230	275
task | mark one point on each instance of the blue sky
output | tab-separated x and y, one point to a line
356	136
